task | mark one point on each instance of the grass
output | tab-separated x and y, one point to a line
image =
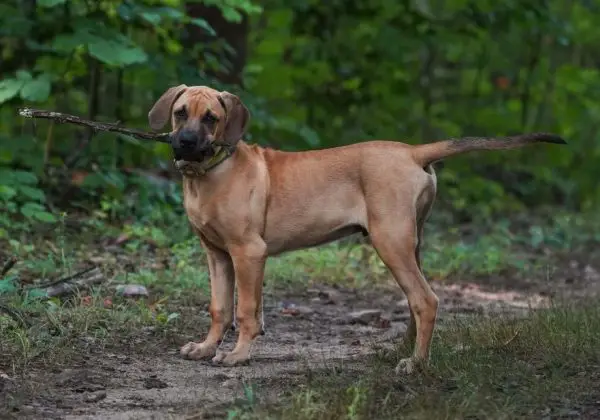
547	365
486	368
62	331
175	272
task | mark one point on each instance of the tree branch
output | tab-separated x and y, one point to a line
96	126
68	285
7	266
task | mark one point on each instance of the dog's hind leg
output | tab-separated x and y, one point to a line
396	244
423	206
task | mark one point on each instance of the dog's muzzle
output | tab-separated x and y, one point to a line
197	163
192	145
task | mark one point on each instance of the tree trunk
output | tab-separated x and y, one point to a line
233	33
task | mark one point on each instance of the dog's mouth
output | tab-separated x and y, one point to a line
191	164
185	158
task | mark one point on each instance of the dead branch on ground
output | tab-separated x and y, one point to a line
8	265
67	285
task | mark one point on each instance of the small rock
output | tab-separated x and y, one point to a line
364	317
95	396
132	290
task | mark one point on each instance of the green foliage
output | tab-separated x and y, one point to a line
21	198
314	75
26	86
8	285
427	70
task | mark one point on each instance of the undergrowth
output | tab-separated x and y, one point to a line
544	366
173	268
162	255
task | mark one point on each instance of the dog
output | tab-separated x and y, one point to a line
246	203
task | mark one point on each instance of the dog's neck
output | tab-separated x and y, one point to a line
198	169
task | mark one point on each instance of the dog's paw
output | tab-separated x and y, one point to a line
408	366
197	351
219	356
233	358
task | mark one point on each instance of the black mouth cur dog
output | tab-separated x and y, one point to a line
246	203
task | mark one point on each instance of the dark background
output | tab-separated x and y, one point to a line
314	74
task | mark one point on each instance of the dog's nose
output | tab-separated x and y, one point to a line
187	140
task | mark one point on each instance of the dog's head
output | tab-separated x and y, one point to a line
200	117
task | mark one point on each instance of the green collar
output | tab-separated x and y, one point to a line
201	168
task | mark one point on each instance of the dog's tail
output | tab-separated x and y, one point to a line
424	154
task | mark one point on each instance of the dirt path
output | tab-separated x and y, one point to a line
319	329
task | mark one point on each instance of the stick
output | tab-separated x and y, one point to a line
70	284
14	314
64	286
62	280
8	265
72	119
89	279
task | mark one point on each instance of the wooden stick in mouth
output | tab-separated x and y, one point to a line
98	126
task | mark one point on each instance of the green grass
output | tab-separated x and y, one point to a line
545	365
487	368
61	331
449	251
173	268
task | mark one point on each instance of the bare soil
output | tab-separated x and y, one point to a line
307	332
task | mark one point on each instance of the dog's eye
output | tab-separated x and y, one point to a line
209	119
180	114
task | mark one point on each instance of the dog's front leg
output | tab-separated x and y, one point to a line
249	265
222	281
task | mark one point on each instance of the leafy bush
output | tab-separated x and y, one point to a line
21	198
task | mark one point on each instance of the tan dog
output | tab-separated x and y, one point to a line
247	203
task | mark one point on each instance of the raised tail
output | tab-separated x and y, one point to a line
424	154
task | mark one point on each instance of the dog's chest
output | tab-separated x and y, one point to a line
202	217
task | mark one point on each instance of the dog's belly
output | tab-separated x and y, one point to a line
280	245
307	216
296	232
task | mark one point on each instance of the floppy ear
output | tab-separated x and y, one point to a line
238	117
161	111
